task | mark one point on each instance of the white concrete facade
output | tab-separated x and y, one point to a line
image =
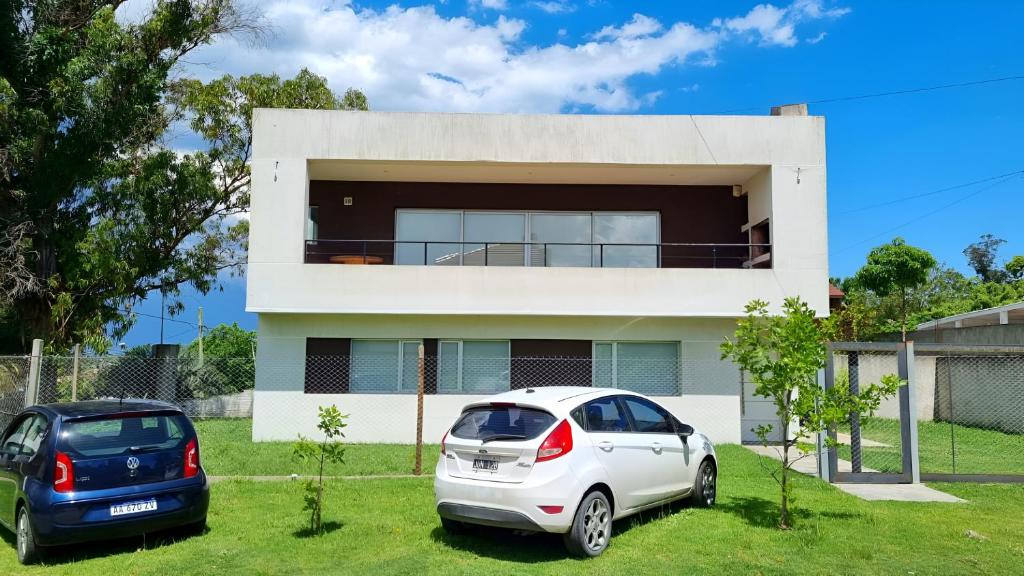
778	161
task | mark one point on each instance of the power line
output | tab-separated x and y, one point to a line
932	193
923	216
157	317
893	92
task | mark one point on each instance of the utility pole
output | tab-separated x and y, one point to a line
200	335
162	296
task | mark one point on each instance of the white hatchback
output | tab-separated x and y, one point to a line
568	460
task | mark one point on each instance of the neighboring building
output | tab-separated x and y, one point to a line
1002	325
521	250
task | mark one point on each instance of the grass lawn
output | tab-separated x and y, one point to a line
978	451
227	450
388	526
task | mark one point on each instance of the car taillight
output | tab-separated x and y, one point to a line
63	474
557	444
191	458
445	437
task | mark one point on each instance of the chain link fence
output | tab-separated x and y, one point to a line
869	443
14	372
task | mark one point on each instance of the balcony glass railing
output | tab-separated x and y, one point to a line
538	254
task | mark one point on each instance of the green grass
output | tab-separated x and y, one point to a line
978	451
227	450
388	526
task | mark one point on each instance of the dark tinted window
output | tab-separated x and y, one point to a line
112	436
605	415
648	416
13	441
502	423
34	436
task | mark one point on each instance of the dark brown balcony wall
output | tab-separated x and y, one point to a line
689	214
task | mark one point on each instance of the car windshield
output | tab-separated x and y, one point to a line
120	435
490	423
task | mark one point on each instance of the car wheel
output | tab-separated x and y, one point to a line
591	528
28	551
705	488
195	528
453	527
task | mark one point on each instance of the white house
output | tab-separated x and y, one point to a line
521	250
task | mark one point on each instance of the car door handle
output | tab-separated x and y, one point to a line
605	445
656	446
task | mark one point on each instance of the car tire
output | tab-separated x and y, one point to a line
591	527
195	528
25	541
453	527
705	487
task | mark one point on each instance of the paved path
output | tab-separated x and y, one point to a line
284	478
900	492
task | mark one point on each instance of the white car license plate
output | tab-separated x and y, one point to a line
485	464
133	507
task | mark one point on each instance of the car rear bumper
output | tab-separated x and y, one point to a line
507	504
191	503
487	516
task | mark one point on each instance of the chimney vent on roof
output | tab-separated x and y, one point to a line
790	110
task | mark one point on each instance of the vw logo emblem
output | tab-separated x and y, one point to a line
133	463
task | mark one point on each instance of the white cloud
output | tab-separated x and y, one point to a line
416	59
777	26
817	38
554	6
492	4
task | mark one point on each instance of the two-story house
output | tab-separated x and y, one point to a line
521	250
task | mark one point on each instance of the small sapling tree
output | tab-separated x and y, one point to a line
327	450
782	355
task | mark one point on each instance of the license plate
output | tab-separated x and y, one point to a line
485	464
133	507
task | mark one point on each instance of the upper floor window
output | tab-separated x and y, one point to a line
505	238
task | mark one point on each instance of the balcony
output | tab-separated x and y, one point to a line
537	254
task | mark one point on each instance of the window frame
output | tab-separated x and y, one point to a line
459	389
614	383
400	344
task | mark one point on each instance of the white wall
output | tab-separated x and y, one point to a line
778	151
281	410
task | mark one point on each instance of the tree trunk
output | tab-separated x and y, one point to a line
784	504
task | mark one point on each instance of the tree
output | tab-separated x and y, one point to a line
981	255
225	341
782	355
327	450
227	364
896	269
96	209
1015	268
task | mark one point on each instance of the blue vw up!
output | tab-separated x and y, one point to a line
101	469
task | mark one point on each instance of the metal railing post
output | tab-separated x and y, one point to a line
74	372
34	371
424	253
824	471
908	414
830	374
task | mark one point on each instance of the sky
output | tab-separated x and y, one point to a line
688	57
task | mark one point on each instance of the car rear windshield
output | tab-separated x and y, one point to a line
120	435
489	423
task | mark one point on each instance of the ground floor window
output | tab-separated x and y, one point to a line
644	367
384	366
473	366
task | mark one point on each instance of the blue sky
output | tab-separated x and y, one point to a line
684	57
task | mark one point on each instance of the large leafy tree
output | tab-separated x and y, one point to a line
981	255
96	209
896	269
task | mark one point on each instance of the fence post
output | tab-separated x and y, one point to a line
830	374
34	370
74	372
908	414
853	369
824	472
419	414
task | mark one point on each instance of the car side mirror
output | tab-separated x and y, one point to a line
684	431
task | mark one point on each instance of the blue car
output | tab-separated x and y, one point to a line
95	470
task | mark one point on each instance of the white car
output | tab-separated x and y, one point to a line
568	460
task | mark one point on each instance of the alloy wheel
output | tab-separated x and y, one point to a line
22	535
596	524
708	485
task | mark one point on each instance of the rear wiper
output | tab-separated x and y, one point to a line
141	449
487	439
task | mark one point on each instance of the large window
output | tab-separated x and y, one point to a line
384	366
645	367
473	366
493	238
